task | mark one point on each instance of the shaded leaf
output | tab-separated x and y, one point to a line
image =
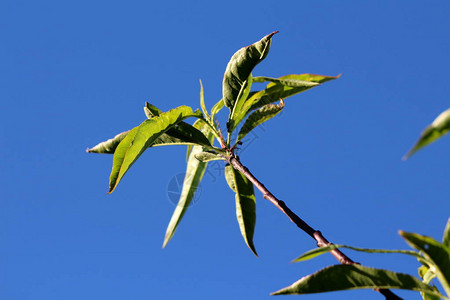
258	117
349	277
434	131
319	251
141	137
434	251
245	204
195	170
109	146
208	156
240	66
182	134
446	237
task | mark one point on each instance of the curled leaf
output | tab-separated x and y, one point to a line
109	146
240	66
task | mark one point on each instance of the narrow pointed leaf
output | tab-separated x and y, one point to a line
216	108
279	88
143	136
208	156
242	97
350	277
292	82
434	251
258	117
195	170
202	101
319	251
284	87
240	66
434	131
446	237
109	146
245	204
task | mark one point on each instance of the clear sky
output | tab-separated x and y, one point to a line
76	73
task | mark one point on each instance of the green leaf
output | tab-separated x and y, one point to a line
260	116
434	131
284	87
245	204
143	136
216	108
435	252
151	110
240	66
195	170
182	134
242	97
202	101
319	251
286	81
446	237
208	156
109	146
349	277
279	88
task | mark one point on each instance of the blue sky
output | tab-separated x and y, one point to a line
76	73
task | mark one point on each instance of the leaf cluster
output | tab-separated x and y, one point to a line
204	139
433	256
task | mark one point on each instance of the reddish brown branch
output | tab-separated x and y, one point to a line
315	234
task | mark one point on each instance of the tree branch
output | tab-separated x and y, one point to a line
315	234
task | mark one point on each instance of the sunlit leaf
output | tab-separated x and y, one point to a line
319	251
437	129
279	88
245	204
195	170
242	97
350	277
202	101
240	66
151	110
434	251
216	108
109	146
258	117
286	81
141	137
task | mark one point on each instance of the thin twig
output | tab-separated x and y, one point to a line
315	234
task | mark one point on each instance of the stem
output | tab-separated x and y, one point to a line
315	234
